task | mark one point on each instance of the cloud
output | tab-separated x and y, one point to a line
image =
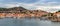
46	5
48	8
20	1
51	6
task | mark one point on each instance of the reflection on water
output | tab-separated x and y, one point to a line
27	22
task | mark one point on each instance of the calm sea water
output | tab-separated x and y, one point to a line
27	22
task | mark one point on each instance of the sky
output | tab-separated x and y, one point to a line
45	5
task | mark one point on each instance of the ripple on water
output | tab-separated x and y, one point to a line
27	22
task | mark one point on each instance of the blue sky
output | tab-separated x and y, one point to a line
46	5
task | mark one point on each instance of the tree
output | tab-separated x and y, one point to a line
44	15
59	11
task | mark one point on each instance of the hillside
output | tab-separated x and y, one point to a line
25	12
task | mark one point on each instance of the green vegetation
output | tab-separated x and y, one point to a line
44	15
59	11
2	9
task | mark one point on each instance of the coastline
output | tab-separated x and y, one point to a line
20	15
